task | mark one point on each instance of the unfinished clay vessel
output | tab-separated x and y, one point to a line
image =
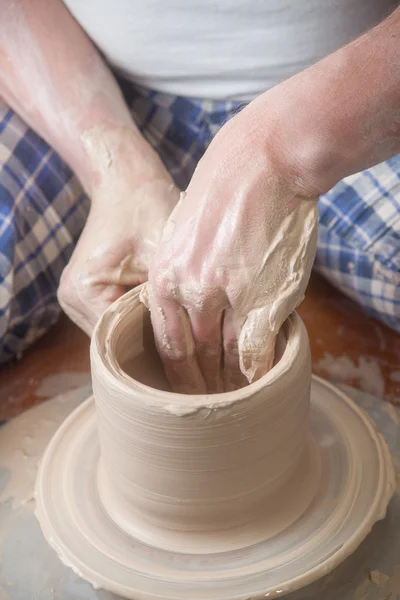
247	494
174	467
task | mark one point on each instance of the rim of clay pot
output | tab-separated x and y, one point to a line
114	320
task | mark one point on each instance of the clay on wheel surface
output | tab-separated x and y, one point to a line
241	493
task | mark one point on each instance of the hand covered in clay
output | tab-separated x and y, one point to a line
233	262
131	200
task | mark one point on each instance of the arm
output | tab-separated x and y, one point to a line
54	78
245	235
342	114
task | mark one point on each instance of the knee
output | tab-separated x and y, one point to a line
42	212
362	275
22	323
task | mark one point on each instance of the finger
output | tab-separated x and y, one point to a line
206	331
175	345
256	345
102	296
84	302
233	377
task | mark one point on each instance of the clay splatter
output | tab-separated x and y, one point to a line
61	383
341	368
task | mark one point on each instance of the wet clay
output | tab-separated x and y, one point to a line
23	440
247	494
190	472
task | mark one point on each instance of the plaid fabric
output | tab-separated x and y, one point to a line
359	239
43	210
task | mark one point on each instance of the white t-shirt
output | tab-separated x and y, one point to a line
221	49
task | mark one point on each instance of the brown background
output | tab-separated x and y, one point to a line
336	326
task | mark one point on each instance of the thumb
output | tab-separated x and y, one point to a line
257	344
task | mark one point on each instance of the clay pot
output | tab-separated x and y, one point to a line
173	466
248	494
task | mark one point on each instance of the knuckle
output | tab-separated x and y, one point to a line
208	348
175	353
163	284
231	346
67	293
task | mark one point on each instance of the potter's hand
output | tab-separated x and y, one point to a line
131	201
61	87
233	263
237	253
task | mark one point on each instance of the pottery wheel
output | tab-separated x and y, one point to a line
356	482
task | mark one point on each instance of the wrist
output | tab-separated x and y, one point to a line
280	131
339	116
117	155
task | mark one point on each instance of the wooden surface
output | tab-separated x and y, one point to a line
346	346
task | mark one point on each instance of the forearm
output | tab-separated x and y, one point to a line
54	78
340	116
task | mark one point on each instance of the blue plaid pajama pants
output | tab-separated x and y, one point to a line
43	210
